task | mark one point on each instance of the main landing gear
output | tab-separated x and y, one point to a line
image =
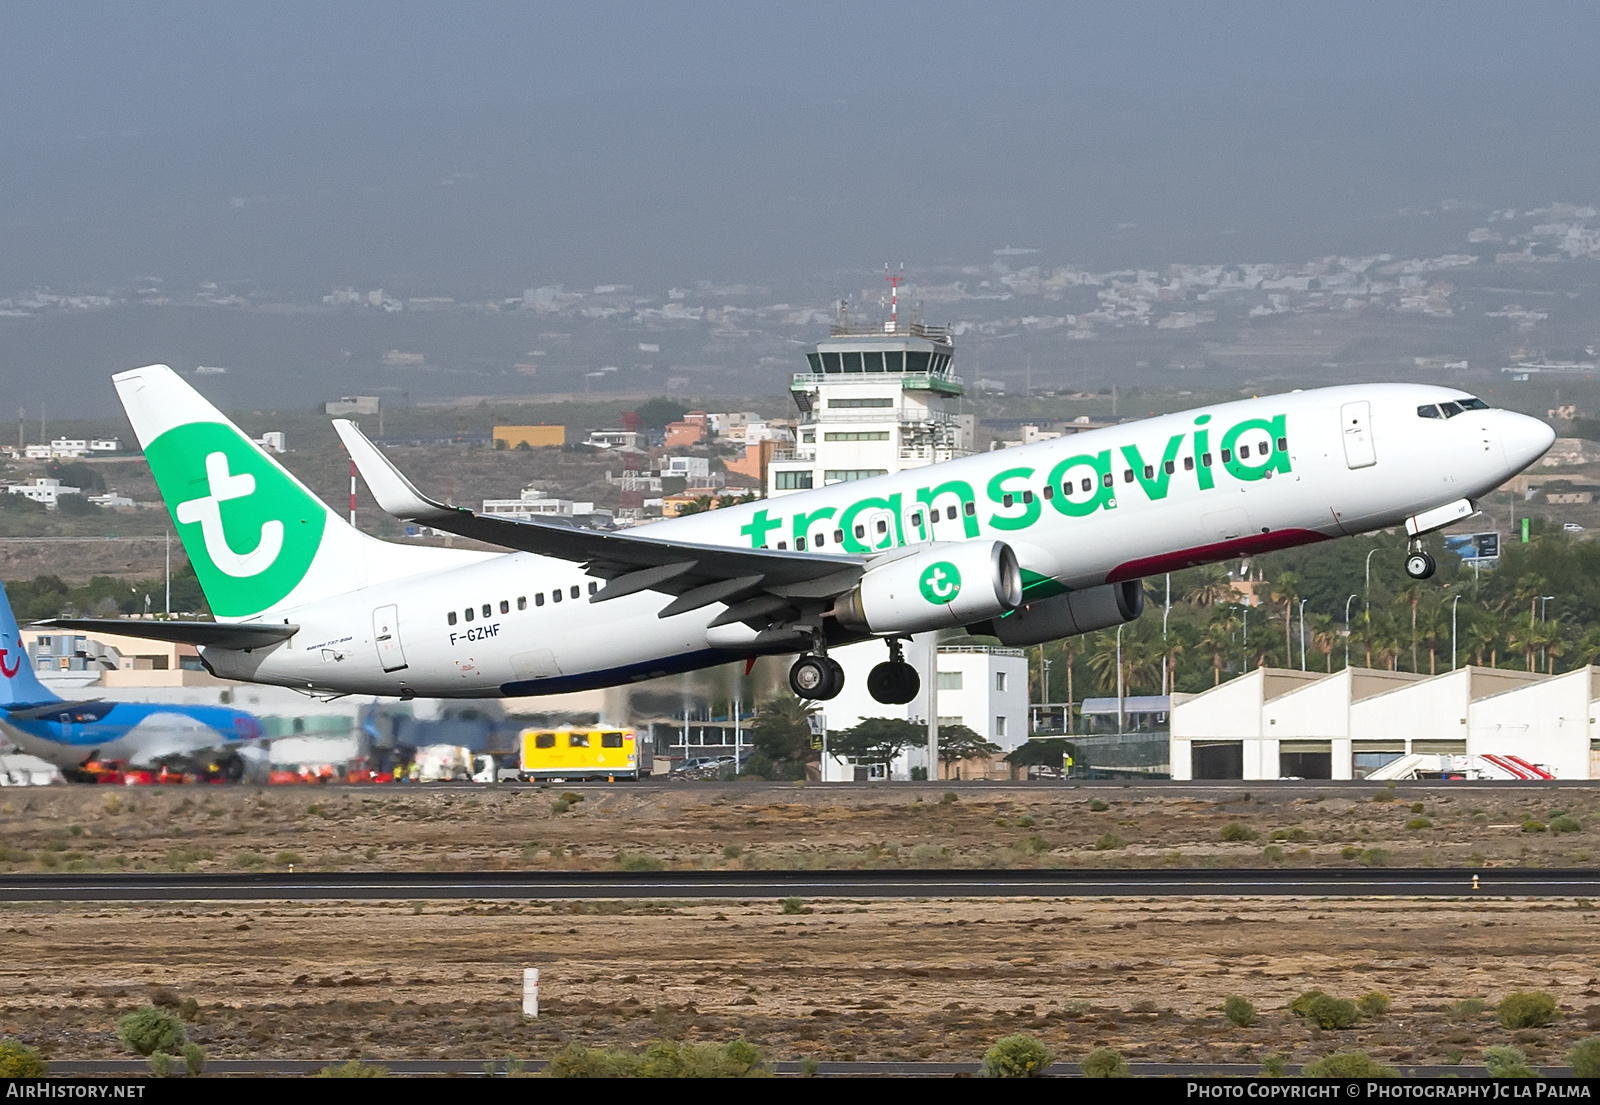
816	677
1419	565
894	682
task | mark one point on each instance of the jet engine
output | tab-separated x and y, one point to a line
1066	615
939	587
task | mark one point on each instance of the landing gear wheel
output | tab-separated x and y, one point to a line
817	678
1419	565
894	683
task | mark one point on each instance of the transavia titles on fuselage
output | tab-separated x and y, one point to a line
1026	544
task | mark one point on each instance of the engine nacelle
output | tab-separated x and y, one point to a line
938	588
1067	615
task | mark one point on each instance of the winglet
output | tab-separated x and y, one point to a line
389	486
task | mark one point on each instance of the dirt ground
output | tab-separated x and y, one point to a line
848	980
752	825
874	980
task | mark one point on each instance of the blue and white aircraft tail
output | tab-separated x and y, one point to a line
210	740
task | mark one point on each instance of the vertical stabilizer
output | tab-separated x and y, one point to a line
19	686
258	538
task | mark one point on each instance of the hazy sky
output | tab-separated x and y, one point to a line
70	68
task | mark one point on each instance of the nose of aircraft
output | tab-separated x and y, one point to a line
1524	439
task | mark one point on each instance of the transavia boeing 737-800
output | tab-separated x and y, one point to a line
1027	545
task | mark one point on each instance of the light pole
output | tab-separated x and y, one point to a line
1302	634
1453	632
1542	600
1366	588
1246	637
1119	680
1046	680
1165	614
1347	603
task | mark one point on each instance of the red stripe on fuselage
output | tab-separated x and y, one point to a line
1209	554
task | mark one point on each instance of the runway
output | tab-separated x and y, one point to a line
1010	883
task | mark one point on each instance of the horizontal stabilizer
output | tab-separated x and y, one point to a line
235	635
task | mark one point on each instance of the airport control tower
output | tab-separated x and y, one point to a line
876	400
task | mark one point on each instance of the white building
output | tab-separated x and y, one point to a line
111	499
1275	723
615	439
691	468
352	404
272	441
873	403
44	490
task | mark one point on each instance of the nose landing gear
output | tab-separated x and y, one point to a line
816	677
894	682
1419	564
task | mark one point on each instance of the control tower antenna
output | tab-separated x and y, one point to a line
895	280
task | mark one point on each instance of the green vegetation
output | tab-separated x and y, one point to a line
1527	1009
791	906
1328	1012
1104	1062
149	1030
1109	842
1419	823
161	1064
18	1060
194	1058
1466	1009
1507	1062
1236	832
1374	1004
1018	1056
1274	1066
1585	1058
1239	1011
1565	823
639	863
1348	1064
661	1059
354	1068
1097	806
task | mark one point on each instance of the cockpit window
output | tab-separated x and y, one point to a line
1473	403
1428	410
1450	409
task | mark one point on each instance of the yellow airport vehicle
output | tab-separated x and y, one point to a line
582	754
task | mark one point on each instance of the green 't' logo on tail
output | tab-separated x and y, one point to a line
941	583
250	530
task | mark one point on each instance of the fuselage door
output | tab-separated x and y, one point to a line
1355	421
386	632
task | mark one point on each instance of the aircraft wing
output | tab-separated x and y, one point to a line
755	582
234	635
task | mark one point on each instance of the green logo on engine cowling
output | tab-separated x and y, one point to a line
249	529
940	583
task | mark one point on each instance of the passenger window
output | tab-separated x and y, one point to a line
610	740
522	602
971	509
883	527
1127	475
1264	448
1005	500
1244	452
821	539
576	591
1227	455
1283	445
1428	410
838	537
799	544
861	531
451	617
950	513
1170	467
468	613
1105	480
785	545
555	596
1087	484
538	600
1048	491
1188	464
1205	459
593	587
916	520
488	610
544	740
577	740
1027	496
505	607
1150	471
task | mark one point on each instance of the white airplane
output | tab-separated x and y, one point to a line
1027	544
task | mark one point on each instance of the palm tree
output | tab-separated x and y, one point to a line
1218	641
1285	589
1483	635
1432	630
1411	593
1324	637
1523	639
1212	587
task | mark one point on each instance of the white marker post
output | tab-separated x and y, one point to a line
530	991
